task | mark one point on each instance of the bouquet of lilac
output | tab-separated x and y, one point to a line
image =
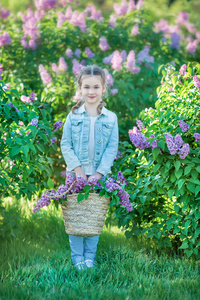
110	187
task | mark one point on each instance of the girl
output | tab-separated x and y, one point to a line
89	145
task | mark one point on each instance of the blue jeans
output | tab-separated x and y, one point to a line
81	252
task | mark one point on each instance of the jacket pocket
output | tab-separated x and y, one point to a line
76	126
106	129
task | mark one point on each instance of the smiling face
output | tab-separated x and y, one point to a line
92	89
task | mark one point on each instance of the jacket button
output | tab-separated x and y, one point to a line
99	141
99	129
98	153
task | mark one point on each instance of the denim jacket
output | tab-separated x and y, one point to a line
74	142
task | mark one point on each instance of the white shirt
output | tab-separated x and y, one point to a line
89	169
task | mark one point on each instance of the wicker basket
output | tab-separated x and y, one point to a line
85	218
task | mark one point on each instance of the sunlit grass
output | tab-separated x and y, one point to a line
36	264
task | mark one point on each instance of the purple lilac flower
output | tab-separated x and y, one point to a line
184	126
114	91
120	10
45	4
119	155
140	125
78	20
54	140
69	53
12	105
109	78
175	40
108	59
197	137
77	53
103	44
192	46
173	148
76	67
131	6
89	53
162	25
154	144
95	15
61	19
123	55
32	96
112	21
34	121
143	56
1	71
135	30
184	151
138	139
62	65
183	69
44	201
45	76
196	81
182	17
5	13
69	12
58	124
116	61
121	179
5	39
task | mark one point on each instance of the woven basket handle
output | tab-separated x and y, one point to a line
59	196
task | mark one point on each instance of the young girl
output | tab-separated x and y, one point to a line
89	145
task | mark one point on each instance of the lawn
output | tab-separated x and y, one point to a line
36	264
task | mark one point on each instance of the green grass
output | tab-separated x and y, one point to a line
36	264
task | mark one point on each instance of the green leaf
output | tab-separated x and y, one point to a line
189	252
80	197
170	193
25	149
155	152
191	187
180	183
15	150
197	190
177	165
178	173
50	183
198	169
187	170
15	92
184	245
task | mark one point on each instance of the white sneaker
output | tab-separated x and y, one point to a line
80	265
89	263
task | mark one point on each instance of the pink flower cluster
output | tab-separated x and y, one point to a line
45	76
93	14
183	69
196	81
57	125
184	126
29	99
1	71
89	52
176	32
130	65
103	44
45	4
176	145
127	7
31	31
4	13
144	57
74	18
5	39
112	185
62	66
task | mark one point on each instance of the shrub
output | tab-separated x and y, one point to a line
163	166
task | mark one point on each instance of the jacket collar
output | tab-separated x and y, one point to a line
82	110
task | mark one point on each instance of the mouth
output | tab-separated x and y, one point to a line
91	97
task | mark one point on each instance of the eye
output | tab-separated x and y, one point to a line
96	87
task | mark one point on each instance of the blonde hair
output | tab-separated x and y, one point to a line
92	70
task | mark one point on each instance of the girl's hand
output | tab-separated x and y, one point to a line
96	175
79	172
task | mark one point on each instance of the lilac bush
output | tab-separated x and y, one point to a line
162	166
